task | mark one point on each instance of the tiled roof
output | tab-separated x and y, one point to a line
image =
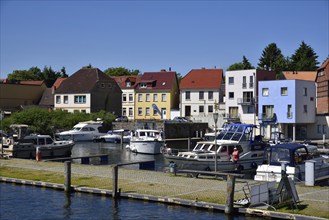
40	82
302	75
58	82
159	80
122	81
82	81
47	98
324	64
202	79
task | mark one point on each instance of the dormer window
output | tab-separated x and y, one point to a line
128	84
142	85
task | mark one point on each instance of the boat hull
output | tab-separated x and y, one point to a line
146	147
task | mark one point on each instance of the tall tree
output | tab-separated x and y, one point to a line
304	59
272	59
121	71
244	65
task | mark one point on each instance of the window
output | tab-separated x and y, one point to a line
130	111
230	80
124	111
140	97
268	111
305	108
201	109
231	95
210	108
148	97
305	92
265	91
284	91
319	129
251	82
80	99
147	111
131	98
163	97
124	97
155	97
210	95
102	85
58	99
140	111
155	112
187	95
244	82
289	111
66	99
201	95
142	85
128	84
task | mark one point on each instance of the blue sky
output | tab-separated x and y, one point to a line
154	35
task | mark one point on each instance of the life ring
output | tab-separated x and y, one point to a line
8	141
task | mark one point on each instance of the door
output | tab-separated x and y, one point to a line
164	113
187	110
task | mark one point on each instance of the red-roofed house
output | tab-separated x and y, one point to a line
157	93
322	80
127	85
200	89
302	75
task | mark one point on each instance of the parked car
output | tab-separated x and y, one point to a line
122	118
181	119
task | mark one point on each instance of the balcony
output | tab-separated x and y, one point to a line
231	117
246	101
268	118
244	85
251	85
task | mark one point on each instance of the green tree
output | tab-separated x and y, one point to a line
121	71
304	59
244	65
272	59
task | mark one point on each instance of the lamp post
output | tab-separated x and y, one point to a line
215	115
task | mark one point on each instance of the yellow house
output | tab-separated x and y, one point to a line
157	93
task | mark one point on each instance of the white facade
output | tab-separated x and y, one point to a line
196	102
73	102
128	103
240	95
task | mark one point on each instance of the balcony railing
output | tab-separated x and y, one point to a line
246	101
251	85
289	115
244	85
268	117
231	117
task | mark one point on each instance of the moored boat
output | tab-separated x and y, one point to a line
146	141
205	153
114	136
293	157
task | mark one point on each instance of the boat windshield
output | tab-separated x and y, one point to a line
279	155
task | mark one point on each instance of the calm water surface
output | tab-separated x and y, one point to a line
28	202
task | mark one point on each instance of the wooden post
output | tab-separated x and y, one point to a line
67	175
115	181
121	140
230	194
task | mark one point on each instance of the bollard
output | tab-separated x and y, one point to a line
230	194
115	181
38	155
67	175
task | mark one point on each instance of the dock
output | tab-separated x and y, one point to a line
207	192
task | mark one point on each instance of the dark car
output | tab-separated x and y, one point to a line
122	119
181	119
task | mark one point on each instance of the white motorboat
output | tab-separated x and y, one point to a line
146	141
114	136
293	157
21	146
84	131
203	156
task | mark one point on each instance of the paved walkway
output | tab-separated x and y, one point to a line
167	187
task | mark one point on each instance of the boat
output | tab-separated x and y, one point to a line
20	145
293	156
114	136
83	131
205	153
146	141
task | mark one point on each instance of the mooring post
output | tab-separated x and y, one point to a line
67	175
230	194
115	181
121	140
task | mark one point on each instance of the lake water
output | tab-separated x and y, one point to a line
19	202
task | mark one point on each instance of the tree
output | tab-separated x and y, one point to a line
272	59
304	59
244	65
121	71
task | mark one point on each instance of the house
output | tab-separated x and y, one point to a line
302	75
287	106
322	96
242	92
200	92
15	94
127	85
47	99
89	90
156	94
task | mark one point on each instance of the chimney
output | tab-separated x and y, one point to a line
163	70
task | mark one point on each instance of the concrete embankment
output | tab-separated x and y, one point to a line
164	187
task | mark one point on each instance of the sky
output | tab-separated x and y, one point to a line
152	35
